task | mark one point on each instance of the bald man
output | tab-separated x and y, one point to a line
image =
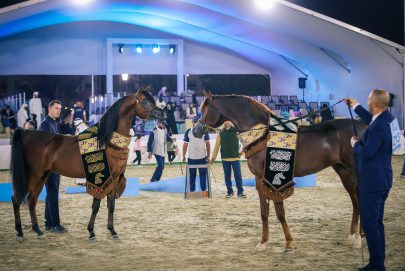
374	151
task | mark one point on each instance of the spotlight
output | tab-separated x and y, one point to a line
82	2
155	49
138	49
265	4
101	98
120	48
124	76
172	49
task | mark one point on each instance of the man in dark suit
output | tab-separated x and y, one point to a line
374	151
52	220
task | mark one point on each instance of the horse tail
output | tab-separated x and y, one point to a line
17	166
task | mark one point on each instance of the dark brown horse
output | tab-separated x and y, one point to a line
318	147
35	154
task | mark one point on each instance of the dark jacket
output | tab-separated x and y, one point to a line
49	125
374	152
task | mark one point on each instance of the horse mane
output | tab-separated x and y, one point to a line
109	123
148	96
253	102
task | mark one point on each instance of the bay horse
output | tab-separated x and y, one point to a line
318	147
34	154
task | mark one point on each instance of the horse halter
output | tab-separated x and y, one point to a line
204	125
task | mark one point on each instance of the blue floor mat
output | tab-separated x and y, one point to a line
171	185
304	181
6	191
131	190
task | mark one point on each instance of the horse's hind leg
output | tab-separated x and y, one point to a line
17	217
345	175
90	227
279	207
111	208
32	204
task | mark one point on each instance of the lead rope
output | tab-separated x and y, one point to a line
353	177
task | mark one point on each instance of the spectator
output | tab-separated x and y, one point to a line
67	127
171	149
198	154
138	150
171	121
22	115
79	111
326	113
157	146
191	112
228	141
34	120
36	106
8	120
52	220
162	92
160	103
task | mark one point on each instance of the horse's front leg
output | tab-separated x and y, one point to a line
264	210
279	207
94	210
111	208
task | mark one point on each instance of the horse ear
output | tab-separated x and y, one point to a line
207	93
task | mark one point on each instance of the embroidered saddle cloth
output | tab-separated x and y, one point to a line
95	161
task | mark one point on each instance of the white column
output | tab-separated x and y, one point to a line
180	67
109	89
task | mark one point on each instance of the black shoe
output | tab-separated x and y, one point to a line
402	176
229	195
369	267
241	195
47	228
58	229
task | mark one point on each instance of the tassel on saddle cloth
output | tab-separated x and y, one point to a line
95	161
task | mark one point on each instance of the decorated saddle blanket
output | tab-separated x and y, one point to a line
95	161
280	158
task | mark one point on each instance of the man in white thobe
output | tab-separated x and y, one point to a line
36	106
22	115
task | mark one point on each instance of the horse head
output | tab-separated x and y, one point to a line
211	117
146	106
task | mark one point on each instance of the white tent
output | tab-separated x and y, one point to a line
227	36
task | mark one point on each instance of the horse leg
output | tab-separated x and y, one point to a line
279	207
17	217
345	175
264	210
33	214
111	208
90	227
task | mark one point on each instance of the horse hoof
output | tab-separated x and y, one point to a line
115	237
357	243
289	250
41	236
20	238
92	238
261	247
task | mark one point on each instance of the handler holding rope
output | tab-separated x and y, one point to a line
374	151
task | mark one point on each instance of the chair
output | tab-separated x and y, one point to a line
322	103
176	100
302	105
188	99
313	106
284	99
272	105
265	99
275	99
294	99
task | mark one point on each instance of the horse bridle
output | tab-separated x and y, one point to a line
204	124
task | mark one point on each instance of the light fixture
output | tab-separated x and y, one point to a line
155	49
172	49
120	48
82	2
95	98
124	76
138	49
265	4
92	100
101	98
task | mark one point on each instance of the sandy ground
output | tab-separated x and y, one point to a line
162	231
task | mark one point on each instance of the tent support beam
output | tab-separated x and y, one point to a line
388	53
334	59
294	66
